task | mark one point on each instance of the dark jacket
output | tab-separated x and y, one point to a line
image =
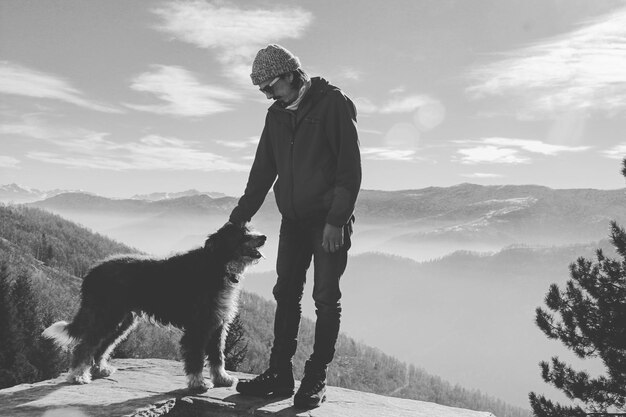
314	151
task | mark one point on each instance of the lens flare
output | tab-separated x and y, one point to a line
429	115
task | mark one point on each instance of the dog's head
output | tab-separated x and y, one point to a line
235	242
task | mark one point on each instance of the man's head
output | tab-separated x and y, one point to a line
275	70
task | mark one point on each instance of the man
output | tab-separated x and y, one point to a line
310	146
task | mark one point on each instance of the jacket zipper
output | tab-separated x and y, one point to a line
293	138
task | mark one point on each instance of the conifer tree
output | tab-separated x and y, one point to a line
7	329
592	323
236	346
28	329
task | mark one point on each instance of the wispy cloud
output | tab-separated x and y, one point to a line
427	112
616	152
404	104
18	80
491	155
239	144
509	150
481	175
396	104
534	146
148	153
9	162
388	154
82	148
233	32
350	74
182	93
583	70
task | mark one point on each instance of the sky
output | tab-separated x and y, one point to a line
130	97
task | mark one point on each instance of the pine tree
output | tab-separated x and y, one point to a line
592	323
28	329
236	346
7	329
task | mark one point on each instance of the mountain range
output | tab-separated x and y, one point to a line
18	194
52	251
418	224
444	278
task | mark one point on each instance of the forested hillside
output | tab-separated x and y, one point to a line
41	254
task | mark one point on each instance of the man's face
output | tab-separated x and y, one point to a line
280	90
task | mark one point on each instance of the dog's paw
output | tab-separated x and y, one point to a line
220	377
79	378
224	380
197	383
102	371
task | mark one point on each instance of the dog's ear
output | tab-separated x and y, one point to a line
222	237
209	244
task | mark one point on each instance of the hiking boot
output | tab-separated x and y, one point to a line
312	391
276	382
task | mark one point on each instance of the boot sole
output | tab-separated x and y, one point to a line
280	393
309	404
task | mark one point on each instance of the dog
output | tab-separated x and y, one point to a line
196	291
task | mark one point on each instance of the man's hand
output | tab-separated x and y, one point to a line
237	224
332	239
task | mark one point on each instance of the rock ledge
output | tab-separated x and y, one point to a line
155	387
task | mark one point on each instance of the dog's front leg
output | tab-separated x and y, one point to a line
192	346
215	353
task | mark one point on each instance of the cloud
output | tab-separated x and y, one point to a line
583	70
239	144
428	112
534	146
148	153
404	104
365	106
8	162
350	74
616	152
492	155
235	33
481	175
182	93
82	148
388	154
508	150
18	80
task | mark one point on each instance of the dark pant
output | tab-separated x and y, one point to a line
301	240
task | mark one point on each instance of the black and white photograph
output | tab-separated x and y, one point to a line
313	208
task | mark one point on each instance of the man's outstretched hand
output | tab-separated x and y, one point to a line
332	239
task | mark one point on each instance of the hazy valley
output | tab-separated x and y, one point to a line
444	278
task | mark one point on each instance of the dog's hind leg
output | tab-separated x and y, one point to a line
192	346
215	352
92	325
101	367
82	355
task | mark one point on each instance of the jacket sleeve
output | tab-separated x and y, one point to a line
344	141
262	176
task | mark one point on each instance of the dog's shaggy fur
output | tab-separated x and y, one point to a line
196	291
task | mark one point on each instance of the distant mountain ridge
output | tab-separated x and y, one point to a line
18	194
420	224
169	196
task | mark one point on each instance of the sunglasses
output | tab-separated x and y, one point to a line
268	89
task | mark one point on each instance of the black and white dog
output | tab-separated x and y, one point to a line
196	291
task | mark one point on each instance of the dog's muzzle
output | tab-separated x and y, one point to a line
252	246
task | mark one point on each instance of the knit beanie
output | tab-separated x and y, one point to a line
272	61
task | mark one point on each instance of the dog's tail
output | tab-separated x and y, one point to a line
59	334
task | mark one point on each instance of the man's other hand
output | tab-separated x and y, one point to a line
332	239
